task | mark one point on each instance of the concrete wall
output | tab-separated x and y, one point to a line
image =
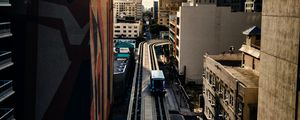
279	60
210	29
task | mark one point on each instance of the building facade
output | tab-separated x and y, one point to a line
231	82
213	30
52	59
127	30
278	97
129	8
7	67
166	8
101	49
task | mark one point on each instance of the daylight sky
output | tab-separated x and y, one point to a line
148	3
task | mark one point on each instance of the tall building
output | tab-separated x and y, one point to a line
7	67
128	8
166	8
279	84
230	81
212	30
52	59
101	49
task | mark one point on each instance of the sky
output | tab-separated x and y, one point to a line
148	3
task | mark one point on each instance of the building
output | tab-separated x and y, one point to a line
278	97
231	81
129	8
213	30
7	67
166	8
123	68
253	5
155	10
101	49
128	30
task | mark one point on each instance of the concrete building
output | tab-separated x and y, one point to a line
253	5
213	30
279	87
7	67
123	69
166	8
230	89
127	30
52	59
129	8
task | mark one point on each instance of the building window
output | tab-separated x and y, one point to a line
129	31
129	27
135	26
117	26
253	64
124	26
117	31
124	31
135	31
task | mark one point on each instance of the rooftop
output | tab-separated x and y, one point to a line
120	66
227	57
246	76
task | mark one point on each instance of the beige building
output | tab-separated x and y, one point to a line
212	30
167	8
128	8
253	5
231	82
127	30
279	86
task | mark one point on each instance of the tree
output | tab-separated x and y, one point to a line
155	29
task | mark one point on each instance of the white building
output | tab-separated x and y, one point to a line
127	30
205	28
128	8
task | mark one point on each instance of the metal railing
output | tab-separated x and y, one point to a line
6	113
4	27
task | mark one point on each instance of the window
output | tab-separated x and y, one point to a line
135	26
117	31
117	26
129	27
124	26
124	31
129	31
135	31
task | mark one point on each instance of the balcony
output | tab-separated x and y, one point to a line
6	89
4	3
5	29
5	59
6	113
